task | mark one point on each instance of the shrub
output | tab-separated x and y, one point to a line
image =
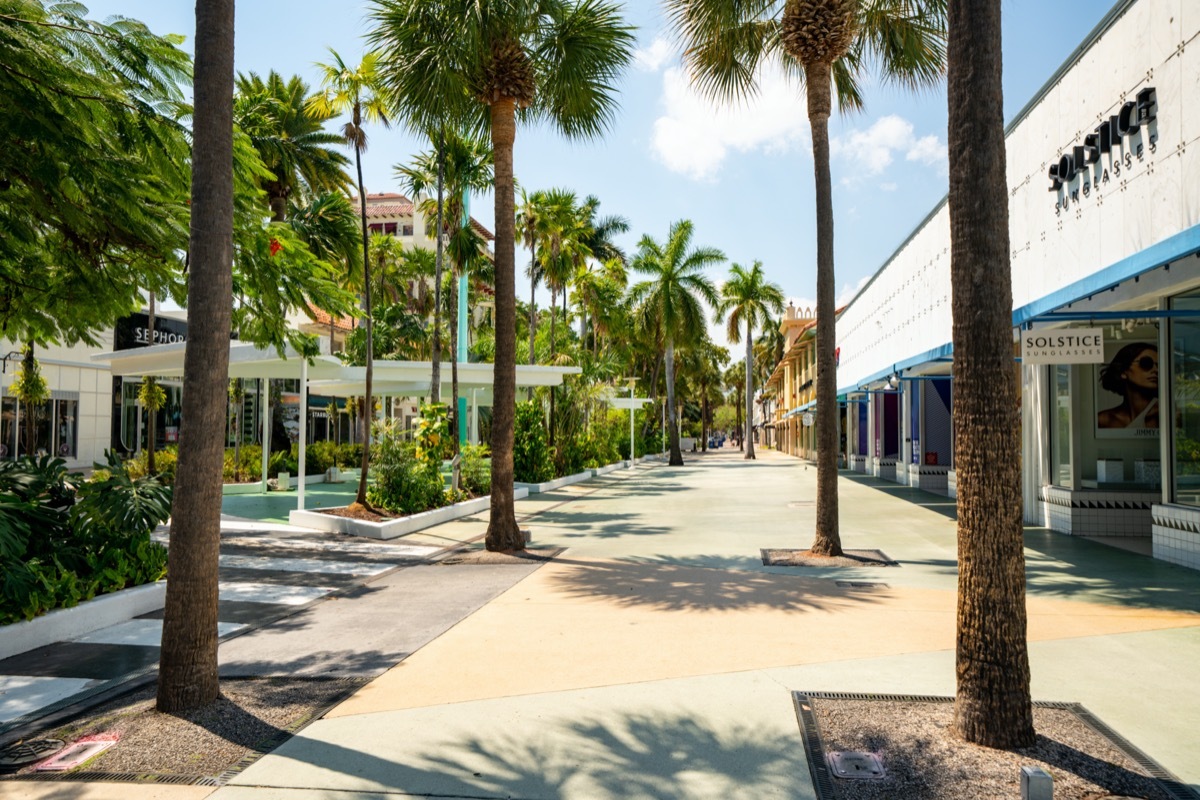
532	459
402	482
475	471
64	540
165	460
349	456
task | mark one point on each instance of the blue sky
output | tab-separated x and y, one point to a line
742	175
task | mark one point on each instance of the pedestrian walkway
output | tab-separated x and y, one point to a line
656	656
266	572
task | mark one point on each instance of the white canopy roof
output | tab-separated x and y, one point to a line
625	403
327	375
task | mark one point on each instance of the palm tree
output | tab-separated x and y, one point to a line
992	706
531	223
673	294
355	90
482	60
748	297
827	43
290	138
187	676
735	382
462	164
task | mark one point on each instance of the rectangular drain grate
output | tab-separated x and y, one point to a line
861	585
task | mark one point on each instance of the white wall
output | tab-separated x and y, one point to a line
905	311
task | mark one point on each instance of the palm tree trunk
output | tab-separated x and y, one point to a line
749	391
741	432
828	540
992	706
673	427
435	380
368	409
187	676
454	420
502	531
532	306
553	306
704	421
151	414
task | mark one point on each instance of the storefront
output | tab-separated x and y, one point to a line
1104	205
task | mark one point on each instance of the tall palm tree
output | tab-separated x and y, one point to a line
187	676
735	382
482	60
828	44
355	90
992	706
748	297
462	164
290	138
672	294
531	224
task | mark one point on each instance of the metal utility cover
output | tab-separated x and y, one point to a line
24	753
856	766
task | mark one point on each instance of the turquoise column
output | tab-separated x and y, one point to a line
461	355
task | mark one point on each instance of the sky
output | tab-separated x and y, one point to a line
743	174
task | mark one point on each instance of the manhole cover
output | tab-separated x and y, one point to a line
855	766
22	754
802	504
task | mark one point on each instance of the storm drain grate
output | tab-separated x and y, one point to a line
861	585
814	749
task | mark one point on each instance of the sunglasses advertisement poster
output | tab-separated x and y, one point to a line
1127	399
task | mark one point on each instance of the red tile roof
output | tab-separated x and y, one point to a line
322	318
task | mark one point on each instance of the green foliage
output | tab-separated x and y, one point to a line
64	540
404	483
28	385
432	434
165	461
475	470
151	395
532	458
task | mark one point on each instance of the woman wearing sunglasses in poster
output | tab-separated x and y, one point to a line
1133	375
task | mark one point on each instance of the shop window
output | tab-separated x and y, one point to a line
55	427
1185	386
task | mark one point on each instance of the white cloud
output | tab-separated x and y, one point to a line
888	187
651	59
873	150
694	136
848	292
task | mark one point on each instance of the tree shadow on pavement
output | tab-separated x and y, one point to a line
637	755
679	587
596	525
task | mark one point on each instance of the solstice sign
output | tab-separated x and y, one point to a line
1073	346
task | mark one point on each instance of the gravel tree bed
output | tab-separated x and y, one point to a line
923	761
251	716
806	558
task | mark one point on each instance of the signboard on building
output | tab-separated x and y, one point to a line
1068	346
808	419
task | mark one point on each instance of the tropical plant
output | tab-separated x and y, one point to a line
530	224
748	297
64	540
187	675
672	296
405	481
31	391
829	44
735	382
153	398
533	462
992	705
290	139
356	90
475	63
89	105
476	472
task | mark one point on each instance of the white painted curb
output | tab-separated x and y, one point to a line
610	468
393	527
64	624
558	483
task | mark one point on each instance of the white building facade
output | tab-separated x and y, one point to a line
1104	204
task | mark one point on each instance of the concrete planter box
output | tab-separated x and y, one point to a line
393	528
63	624
558	483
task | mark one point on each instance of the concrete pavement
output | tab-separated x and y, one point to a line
656	656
